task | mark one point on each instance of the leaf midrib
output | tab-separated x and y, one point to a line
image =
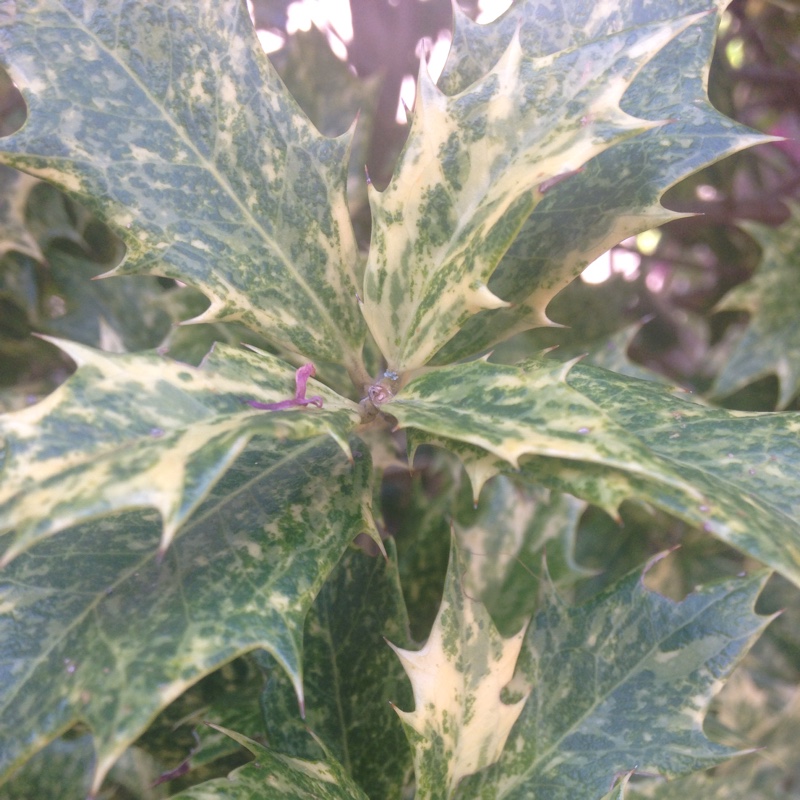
211	169
148	556
599	700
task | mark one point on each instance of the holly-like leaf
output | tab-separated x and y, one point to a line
607	438
620	683
474	167
276	775
769	344
459	724
170	124
619	192
96	628
350	677
129	431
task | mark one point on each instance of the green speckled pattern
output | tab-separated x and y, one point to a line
459	723
732	474
139	430
167	120
96	627
619	192
620	683
471	173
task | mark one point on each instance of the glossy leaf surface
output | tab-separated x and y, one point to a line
350	678
619	193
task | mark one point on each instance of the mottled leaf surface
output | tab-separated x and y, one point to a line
137	430
607	438
350	677
505	543
514	411
770	344
169	122
620	683
459	723
619	192
474	167
97	629
274	774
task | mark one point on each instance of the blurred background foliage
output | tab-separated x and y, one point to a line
708	302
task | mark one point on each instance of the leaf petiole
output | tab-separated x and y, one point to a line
301	380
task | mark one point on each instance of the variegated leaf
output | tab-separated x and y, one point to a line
168	121
474	167
459	724
350	677
771	773
620	683
505	542
607	438
129	431
96	628
770	345
274	775
619	193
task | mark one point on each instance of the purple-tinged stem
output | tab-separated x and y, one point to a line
301	381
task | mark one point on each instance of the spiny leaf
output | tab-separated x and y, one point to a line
169	122
769	345
459	724
276	775
620	683
619	193
769	774
474	167
97	629
129	431
350	676
606	438
522	410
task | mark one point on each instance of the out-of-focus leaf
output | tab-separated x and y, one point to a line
62	770
505	543
620	683
459	723
139	430
418	508
619	193
770	344
350	677
276	775
116	315
170	124
607	438
15	189
96	628
474	167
